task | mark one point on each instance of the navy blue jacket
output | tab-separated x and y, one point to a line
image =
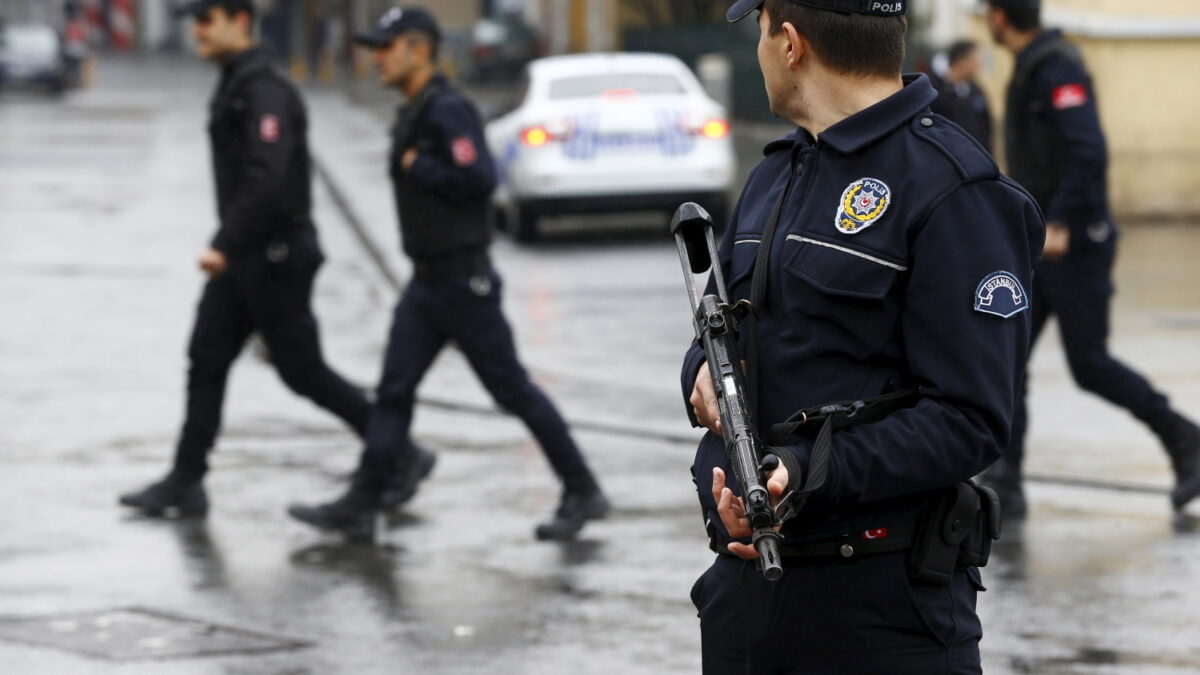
1054	142
901	259
443	199
258	128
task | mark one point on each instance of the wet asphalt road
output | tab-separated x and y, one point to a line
106	199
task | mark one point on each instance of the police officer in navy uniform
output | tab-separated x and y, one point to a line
1056	149
960	98
443	177
263	259
886	258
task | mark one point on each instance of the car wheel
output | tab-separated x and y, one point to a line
525	224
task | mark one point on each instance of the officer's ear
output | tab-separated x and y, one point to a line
798	46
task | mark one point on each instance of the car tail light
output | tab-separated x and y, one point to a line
715	129
539	135
535	137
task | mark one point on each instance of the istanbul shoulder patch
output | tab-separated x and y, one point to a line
1001	294
863	203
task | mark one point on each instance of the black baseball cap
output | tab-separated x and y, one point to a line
1015	4
199	8
396	22
742	8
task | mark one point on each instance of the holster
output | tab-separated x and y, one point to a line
955	530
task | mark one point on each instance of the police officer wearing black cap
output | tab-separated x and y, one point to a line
1056	149
443	177
886	259
263	259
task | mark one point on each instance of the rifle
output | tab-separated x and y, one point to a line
716	323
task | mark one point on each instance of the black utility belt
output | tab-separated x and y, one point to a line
455	264
954	529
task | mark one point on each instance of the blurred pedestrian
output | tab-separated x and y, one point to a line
884	255
960	99
263	259
1056	149
443	177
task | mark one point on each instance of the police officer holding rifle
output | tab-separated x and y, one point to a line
886	261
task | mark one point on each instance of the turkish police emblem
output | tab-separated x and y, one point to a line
1001	294
863	203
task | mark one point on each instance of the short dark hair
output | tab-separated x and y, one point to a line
428	38
1024	15
960	50
851	44
234	7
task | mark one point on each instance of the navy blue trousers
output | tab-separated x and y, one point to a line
836	618
455	308
273	299
1078	289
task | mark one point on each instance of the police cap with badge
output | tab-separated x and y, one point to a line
199	8
742	8
396	22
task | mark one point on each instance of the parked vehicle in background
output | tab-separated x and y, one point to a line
502	47
596	133
32	54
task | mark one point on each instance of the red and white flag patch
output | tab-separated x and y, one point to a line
1069	96
268	128
877	533
464	151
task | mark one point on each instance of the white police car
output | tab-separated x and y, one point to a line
606	133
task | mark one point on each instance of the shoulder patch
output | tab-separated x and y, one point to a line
463	149
1070	96
863	203
1001	294
268	128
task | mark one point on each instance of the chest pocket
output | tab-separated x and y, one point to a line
745	250
853	293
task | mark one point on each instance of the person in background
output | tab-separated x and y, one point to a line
960	99
1056	149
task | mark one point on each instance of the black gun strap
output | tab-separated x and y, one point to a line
758	286
833	417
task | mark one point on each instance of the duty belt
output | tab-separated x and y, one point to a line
463	263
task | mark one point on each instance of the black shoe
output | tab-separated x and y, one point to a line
169	496
409	478
1005	479
1182	442
573	511
352	514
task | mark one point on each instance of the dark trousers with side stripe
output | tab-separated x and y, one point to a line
273	299
453	308
1078	289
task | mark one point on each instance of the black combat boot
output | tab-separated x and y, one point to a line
577	507
1181	439
1005	478
409	478
170	496
352	514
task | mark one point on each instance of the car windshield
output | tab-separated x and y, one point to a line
597	85
17	40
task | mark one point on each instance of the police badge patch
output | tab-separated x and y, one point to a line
1001	294
863	203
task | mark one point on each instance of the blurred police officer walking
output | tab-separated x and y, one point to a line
960	99
885	256
443	177
263	259
1056	149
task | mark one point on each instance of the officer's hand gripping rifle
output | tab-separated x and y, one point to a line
716	324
